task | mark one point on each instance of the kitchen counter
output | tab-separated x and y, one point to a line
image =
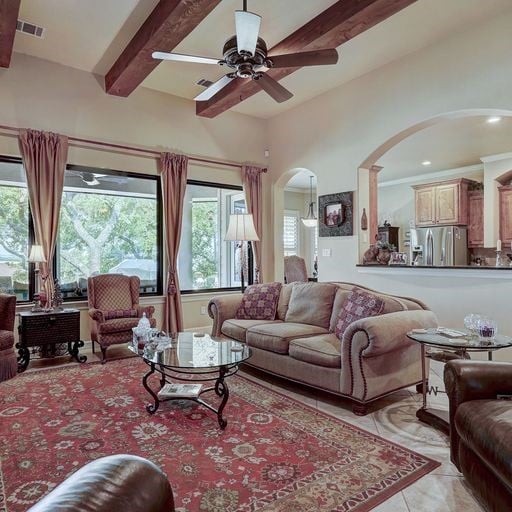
466	272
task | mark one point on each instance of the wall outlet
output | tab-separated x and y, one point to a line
203	310
327	253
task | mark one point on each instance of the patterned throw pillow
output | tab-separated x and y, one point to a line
358	304
119	313
259	302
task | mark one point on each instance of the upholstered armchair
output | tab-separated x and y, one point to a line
295	269
115	310
8	361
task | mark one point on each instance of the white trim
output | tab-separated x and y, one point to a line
438	174
495	158
297	190
463	273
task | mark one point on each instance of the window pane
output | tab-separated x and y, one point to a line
205	260
108	224
14	230
291	233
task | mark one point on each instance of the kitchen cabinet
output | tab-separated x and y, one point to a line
505	194
443	203
476	218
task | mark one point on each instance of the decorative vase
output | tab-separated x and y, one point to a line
364	220
384	256
370	255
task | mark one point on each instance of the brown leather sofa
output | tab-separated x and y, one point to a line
481	428
116	483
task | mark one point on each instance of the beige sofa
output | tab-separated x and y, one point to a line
373	358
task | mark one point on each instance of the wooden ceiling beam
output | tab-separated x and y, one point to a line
169	23
9	10
336	25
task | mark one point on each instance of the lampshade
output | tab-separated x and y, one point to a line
36	254
241	228
310	220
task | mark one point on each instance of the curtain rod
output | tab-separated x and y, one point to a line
134	148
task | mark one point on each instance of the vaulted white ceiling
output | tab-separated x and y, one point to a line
90	35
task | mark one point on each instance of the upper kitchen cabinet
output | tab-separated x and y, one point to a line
442	203
476	218
505	193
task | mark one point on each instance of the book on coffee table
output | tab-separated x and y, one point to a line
180	391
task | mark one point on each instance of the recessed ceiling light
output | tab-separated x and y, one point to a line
493	119
426	162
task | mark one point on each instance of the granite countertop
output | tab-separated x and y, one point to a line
472	267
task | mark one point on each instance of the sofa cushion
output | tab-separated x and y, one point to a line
259	302
391	304
358	304
311	303
485	426
237	329
322	350
284	300
276	337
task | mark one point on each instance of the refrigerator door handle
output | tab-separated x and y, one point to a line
429	239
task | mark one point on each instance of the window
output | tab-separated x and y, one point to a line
15	229
109	223
291	233
205	260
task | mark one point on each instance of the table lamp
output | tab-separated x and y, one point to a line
241	229
36	256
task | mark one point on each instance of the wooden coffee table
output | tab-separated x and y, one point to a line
449	348
194	359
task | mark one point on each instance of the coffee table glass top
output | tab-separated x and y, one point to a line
194	352
469	342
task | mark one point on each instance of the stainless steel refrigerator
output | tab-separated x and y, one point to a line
439	246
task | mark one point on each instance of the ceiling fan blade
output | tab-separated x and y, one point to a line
273	88
298	60
247	30
214	88
184	58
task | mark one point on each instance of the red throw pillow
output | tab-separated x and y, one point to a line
259	302
358	304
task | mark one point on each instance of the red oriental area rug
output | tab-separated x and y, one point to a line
275	454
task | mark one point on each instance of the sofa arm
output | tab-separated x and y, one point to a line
97	315
222	308
149	310
386	333
116	482
473	380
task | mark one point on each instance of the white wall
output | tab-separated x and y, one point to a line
38	94
340	129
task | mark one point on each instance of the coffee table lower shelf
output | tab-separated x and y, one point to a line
436	418
220	388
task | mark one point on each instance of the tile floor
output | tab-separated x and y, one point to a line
393	418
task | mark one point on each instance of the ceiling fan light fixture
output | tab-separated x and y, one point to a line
310	220
247	30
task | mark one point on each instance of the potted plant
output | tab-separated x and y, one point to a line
385	250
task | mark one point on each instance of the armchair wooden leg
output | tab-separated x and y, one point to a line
359	409
93	348
103	355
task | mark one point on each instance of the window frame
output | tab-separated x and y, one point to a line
159	223
213	184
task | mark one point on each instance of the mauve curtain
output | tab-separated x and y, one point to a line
174	182
251	179
44	157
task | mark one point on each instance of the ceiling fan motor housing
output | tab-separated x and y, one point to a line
245	66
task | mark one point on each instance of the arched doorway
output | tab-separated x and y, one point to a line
292	194
377	164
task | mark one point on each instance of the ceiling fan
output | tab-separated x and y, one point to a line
246	54
92	178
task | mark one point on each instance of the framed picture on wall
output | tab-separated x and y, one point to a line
335	214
